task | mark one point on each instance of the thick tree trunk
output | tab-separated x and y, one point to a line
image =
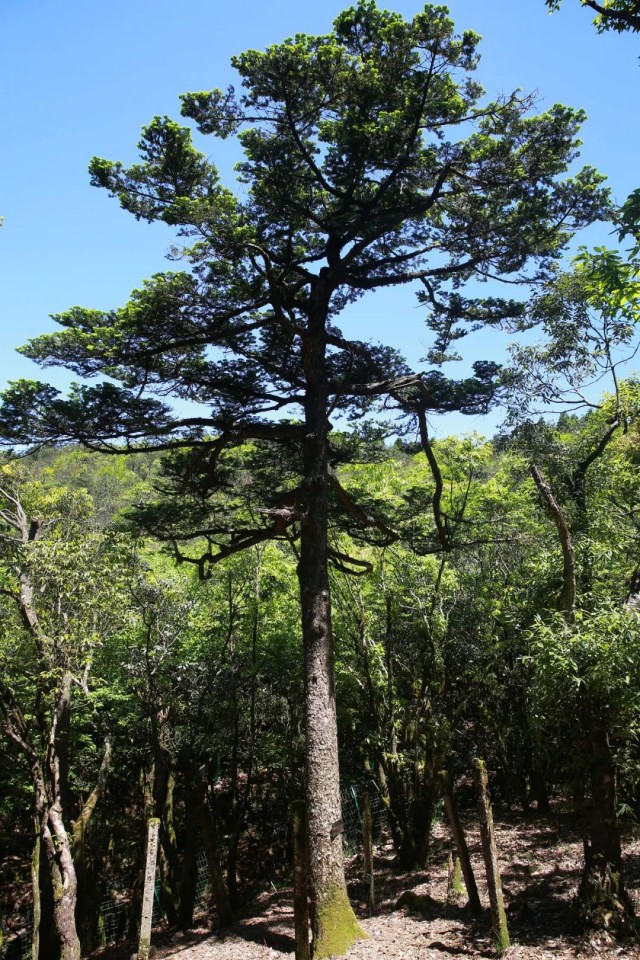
334	924
57	847
602	896
168	856
539	787
393	796
335	927
416	832
48	943
411	801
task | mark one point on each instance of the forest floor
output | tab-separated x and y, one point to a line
540	861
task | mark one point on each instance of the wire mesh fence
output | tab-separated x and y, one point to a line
115	909
19	946
352	798
202	881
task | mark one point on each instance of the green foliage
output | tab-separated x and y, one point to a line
590	668
356	178
617	15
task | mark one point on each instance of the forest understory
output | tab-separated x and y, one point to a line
540	862
244	573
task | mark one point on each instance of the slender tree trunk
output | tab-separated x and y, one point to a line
490	853
62	737
219	892
55	843
567	597
240	797
234	832
189	861
35	892
460	842
334	924
88	906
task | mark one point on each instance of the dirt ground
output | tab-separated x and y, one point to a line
540	863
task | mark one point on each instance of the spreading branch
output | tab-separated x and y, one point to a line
567	597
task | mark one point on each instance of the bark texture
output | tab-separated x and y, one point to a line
460	842
334	924
567	596
490	853
602	897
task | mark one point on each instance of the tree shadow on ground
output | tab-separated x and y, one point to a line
161	939
544	909
269	921
267	933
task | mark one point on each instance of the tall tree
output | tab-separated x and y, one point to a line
359	172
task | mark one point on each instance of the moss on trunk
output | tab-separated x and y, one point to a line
337	926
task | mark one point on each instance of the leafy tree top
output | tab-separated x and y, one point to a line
371	158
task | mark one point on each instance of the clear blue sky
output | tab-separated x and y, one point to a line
80	79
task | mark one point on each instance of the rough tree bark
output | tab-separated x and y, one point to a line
490	853
334	924
56	844
460	842
567	596
602	897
